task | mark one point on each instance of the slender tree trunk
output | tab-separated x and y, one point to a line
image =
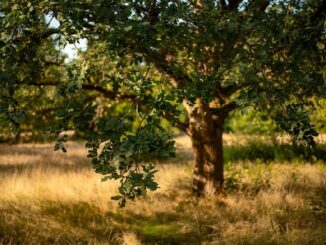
206	131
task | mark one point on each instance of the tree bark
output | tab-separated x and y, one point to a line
206	131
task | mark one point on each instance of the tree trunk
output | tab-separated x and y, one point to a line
206	131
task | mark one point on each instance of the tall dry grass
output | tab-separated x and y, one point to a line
51	197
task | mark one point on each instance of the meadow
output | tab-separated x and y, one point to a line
272	196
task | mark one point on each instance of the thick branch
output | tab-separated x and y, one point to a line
113	95
106	93
50	32
225	109
234	4
37	36
258	5
320	13
223	4
164	66
152	12
229	90
180	125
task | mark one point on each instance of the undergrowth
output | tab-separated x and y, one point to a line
56	198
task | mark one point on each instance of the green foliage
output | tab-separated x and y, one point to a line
318	117
232	181
117	149
296	122
251	122
154	56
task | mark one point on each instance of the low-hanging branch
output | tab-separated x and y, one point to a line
37	36
106	93
112	96
183	126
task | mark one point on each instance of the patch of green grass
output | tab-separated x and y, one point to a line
265	203
266	152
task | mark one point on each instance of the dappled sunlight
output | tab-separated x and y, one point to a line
52	197
237	85
28	158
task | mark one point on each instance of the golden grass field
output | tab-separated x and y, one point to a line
50	197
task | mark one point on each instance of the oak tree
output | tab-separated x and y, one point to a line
189	62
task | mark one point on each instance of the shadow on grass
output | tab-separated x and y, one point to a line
78	222
189	221
156	228
260	152
28	149
159	225
76	163
25	158
266	152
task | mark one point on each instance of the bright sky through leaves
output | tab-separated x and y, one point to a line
71	50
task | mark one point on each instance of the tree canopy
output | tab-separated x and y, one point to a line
162	59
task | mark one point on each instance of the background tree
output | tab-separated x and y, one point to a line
209	57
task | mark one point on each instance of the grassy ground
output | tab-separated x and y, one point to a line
50	197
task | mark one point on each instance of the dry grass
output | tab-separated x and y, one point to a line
50	197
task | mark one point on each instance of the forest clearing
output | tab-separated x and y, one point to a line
54	197
163	122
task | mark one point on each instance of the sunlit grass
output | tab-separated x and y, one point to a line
51	197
